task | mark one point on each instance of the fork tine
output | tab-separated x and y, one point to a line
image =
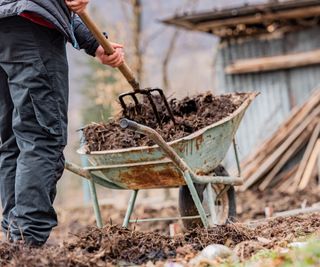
124	105
133	96
164	99
135	99
154	108
148	94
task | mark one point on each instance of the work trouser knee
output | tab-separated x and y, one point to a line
34	60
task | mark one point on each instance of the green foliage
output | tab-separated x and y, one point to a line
306	256
264	254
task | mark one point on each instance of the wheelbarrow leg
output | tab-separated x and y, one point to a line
196	198
95	202
129	211
211	204
236	154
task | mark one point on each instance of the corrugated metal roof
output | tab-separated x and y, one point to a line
238	11
247	19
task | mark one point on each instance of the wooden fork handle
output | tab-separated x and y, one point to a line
105	43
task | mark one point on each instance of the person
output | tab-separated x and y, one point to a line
33	108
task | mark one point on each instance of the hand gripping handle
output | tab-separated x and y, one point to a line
104	42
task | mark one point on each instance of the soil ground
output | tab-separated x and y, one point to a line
116	245
75	243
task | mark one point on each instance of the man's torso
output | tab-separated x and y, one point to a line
53	12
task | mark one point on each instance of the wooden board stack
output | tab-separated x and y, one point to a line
290	158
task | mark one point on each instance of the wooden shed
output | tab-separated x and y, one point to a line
273	48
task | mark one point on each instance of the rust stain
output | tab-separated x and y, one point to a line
199	140
142	177
142	159
180	147
202	173
139	156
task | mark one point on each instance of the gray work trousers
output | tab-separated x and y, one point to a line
33	126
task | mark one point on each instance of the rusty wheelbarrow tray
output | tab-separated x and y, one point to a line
181	162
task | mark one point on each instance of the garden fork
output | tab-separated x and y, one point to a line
128	74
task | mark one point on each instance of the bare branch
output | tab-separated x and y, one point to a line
137	32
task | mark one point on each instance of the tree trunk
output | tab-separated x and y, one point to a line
137	30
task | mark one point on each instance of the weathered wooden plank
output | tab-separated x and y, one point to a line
270	161
292	150
286	182
250	165
274	63
310	166
305	158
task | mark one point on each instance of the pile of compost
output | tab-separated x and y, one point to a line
191	114
116	246
119	246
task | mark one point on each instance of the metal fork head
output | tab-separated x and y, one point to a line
148	94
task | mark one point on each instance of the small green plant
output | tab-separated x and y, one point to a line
265	253
308	255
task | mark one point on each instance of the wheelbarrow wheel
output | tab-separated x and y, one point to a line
225	202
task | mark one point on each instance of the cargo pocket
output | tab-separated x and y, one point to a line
47	114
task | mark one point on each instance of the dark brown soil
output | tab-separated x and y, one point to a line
191	114
136	247
82	217
116	245
279	232
289	228
92	247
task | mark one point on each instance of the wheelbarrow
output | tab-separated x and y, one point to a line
191	163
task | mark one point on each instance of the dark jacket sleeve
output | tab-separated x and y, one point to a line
84	37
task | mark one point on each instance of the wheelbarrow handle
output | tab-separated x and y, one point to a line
154	136
172	154
104	42
77	170
132	125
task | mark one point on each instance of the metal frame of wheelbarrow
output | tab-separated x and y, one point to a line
189	176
